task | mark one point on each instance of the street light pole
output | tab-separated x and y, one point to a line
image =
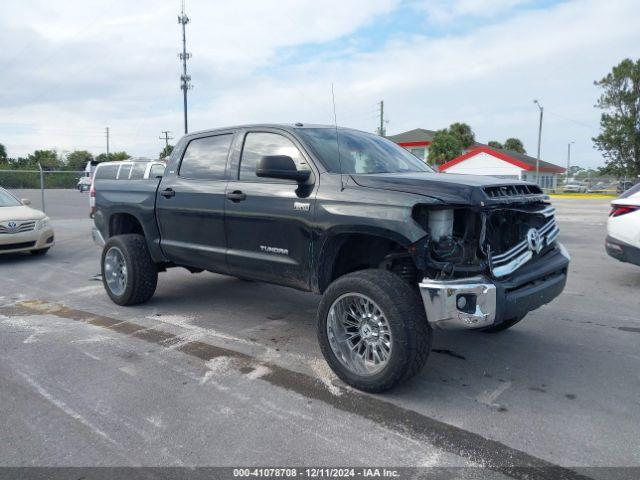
569	157
539	141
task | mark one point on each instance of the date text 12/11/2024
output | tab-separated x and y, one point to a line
315	472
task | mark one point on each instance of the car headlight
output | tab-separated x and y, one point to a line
43	223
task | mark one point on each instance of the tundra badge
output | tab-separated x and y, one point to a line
281	251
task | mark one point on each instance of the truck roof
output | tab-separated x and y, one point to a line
285	126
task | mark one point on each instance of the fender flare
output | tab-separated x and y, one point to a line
330	242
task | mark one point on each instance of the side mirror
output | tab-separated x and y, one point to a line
282	167
25	201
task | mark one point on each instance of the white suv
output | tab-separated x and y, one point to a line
134	169
623	227
22	228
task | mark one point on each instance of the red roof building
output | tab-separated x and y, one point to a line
481	159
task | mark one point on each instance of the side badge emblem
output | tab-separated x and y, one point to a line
303	207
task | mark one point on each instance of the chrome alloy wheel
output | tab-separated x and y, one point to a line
115	271
359	334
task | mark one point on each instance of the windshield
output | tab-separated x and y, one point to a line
8	200
360	152
631	192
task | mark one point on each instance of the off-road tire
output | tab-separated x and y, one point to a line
142	272
403	309
502	326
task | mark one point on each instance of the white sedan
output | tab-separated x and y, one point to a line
574	187
22	228
623	227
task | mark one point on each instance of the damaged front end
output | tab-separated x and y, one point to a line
471	259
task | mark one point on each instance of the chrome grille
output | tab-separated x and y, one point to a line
509	261
20	227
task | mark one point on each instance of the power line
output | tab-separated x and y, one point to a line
166	137
185	80
570	119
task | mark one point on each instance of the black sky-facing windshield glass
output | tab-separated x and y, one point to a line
360	152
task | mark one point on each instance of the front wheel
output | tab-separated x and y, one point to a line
373	330
129	275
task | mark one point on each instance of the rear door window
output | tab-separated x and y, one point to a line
125	170
206	158
107	172
137	172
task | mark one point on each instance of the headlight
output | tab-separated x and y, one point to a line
43	223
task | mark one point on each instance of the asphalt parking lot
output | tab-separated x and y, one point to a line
215	371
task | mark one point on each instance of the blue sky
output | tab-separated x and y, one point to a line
72	69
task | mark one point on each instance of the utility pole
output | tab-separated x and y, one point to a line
107	132
166	137
381	130
185	80
569	158
539	141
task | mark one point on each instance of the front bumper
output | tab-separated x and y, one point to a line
479	302
27	241
98	239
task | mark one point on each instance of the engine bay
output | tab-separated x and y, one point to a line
462	241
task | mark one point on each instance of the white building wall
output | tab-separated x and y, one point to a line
484	164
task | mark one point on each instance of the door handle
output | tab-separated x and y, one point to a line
236	196
168	193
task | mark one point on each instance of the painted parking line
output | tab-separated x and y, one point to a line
483	451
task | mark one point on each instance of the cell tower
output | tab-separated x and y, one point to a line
185	80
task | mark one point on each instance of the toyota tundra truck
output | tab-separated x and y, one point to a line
396	249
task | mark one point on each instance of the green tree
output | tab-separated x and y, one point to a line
166	151
444	147
120	156
115	156
4	161
514	144
495	144
619	139
47	158
78	159
575	170
464	134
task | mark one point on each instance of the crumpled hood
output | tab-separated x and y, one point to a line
21	212
447	187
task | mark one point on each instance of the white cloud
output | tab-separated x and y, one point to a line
446	11
85	69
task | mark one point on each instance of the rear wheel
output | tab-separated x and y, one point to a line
129	275
372	330
501	326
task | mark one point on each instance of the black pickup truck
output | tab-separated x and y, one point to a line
393	247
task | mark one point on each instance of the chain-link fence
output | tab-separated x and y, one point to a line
36	179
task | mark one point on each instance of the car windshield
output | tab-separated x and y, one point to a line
8	200
632	192
360	152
